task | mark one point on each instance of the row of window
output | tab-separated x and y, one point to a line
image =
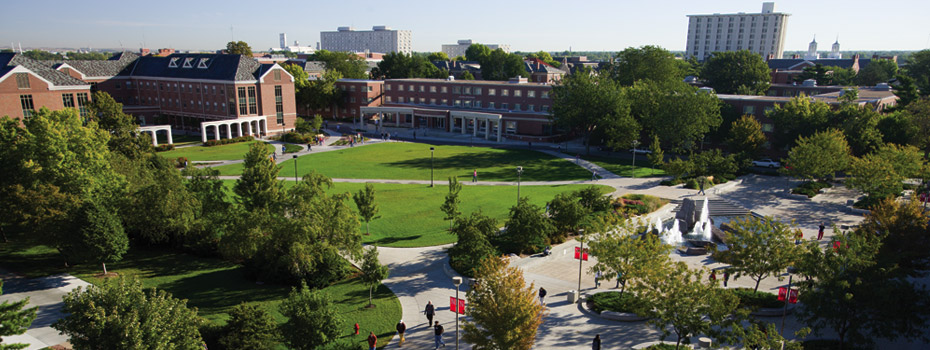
175	87
467	90
67	100
471	104
351	88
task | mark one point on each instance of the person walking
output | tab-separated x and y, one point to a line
726	277
430	312
820	231
596	344
701	186
597	279
797	237
593	175
437	330
401	328
542	296
713	276
372	341
474	176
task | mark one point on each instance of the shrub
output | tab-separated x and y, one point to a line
294	137
749	298
162	148
867	202
663	346
211	143
613	301
811	188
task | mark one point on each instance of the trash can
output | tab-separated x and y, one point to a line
573	296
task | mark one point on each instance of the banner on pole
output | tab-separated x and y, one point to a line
457	305
581	253
782	292
793	296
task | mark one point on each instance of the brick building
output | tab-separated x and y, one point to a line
186	90
356	93
27	85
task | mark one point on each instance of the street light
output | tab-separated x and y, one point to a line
457	281
580	261
295	167
519	173
633	172
431	149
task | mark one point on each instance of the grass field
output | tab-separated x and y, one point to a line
214	286
410	215
411	161
202	153
179	139
623	167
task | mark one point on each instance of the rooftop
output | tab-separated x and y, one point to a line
471	82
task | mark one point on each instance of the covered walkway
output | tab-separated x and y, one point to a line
254	126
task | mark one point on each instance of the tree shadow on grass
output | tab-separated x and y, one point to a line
537	166
392	240
219	291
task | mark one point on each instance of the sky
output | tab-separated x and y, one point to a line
592	25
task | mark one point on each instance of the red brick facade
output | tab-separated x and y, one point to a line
24	89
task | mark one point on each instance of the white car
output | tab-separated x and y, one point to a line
766	163
640	151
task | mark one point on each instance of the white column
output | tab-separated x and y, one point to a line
216	127
203	133
154	138
463	125
248	128
474	130
487	130
500	127
170	138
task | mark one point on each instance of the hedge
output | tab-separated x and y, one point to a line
162	148
210	143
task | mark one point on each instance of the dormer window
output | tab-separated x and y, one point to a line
174	62
203	63
188	62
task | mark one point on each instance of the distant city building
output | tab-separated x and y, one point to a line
26	85
296	48
762	33
379	39
542	72
458	49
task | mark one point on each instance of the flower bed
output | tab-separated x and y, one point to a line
228	141
639	204
612	301
756	300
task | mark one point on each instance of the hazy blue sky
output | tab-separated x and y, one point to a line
525	25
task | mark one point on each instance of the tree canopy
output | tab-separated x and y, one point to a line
502	310
645	63
585	103
398	65
819	156
16	319
727	71
759	248
238	48
692	112
312	319
499	65
349	65
918	67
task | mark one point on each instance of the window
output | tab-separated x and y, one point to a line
277	75
67	100
253	104
22	80
432	101
400	99
387	87
510	127
545	109
422	100
83	100
28	107
477	91
279	104
468	104
505	92
231	98
531	93
545	94
457	103
445	89
492	92
503	105
432	89
749	109
243	106
187	62
174	62
491	105
422	88
410	87
516	106
118	86
445	102
352	99
387	99
531	108
456	89
400	87
352	88
517	93
204	63
370	88
477	104
767	127
468	90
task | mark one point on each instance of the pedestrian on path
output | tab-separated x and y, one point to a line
726	277
430	311
596	344
542	296
593	175
356	328
797	237
820	231
274	156
713	276
701	185
474	176
597	279
437	330
372	341
401	328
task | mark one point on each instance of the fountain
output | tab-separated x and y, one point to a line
672	236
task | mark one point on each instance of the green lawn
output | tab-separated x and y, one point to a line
179	139
411	161
410	215
623	167
214	286
231	151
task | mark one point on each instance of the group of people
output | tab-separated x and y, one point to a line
385	136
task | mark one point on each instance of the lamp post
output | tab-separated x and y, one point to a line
431	149
580	260
633	172
519	173
457	281
295	168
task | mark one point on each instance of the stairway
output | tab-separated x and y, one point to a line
717	207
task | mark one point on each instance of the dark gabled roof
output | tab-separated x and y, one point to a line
783	63
533	67
788	63
108	68
219	67
8	61
314	66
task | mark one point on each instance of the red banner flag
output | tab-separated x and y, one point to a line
782	292
793	296
457	305
461	306
837	245
577	252
584	254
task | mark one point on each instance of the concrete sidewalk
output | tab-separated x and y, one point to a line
46	293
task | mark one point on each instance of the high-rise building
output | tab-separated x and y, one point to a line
380	39
762	33
458	49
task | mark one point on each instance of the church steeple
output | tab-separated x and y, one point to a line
812	50
835	52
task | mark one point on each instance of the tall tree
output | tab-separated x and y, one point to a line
16	319
817	72
681	302
627	256
312	319
905	90
158	208
877	71
502	311
545	57
249	327
860	125
759	248
499	65
819	156
100	237
645	63
919	112
398	65
585	103
451	206
841	76
125	137
121	315
372	271
437	56
259	187
693	112
238	48
302	90
472	245
746	137
323	92
566	212
727	71
477	52
349	65
656	156
365	202
528	228
799	117
918	67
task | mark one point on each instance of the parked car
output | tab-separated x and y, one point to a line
640	151
766	163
